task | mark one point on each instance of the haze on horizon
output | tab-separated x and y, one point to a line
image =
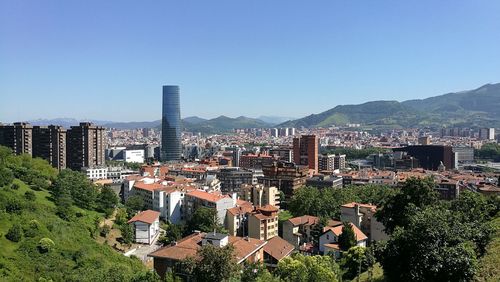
108	60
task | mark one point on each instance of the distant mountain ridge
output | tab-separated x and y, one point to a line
474	108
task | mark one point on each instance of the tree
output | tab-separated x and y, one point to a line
416	194
127	233
15	233
107	200
64	205
134	204
81	190
215	263
317	230
173	232
6	176
432	247
146	276
121	216
347	239
283	216
253	272
204	220
30	196
354	261
14	206
307	268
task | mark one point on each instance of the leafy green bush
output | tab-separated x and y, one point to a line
15	233
45	245
30	196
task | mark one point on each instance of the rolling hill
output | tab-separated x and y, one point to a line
474	108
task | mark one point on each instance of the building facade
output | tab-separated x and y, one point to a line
49	143
86	146
305	151
18	137
171	124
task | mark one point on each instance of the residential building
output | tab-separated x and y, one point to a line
255	160
237	218
146	226
18	137
363	217
305	151
260	195
283	154
95	173
171	124
287	177
448	189
275	250
328	241
246	250
85	145
463	154
199	198
49	143
263	222
487	134
297	230
232	178
168	201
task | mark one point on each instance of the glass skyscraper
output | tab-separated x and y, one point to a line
171	124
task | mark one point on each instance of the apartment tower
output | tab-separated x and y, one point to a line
305	151
49	143
86	145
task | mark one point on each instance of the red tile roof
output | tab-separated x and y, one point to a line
337	230
278	248
210	197
305	219
147	216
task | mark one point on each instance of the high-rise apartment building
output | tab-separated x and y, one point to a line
487	133
85	146
49	143
18	137
305	151
287	177
171	124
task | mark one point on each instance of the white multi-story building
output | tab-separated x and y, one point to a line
96	173
133	156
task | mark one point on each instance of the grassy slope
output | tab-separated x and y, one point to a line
76	256
490	264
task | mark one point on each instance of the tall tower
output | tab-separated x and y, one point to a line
171	124
85	145
18	137
305	151
49	143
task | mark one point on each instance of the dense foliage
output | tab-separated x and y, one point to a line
489	151
46	247
204	220
327	202
300	268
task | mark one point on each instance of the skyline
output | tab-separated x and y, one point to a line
259	64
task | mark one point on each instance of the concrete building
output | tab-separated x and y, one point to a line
260	195
146	226
430	156
305	151
95	173
49	143
255	160
198	198
18	137
297	230
171	146
133	156
287	177
263	223
363	217
325	181
463	154
283	154
274	132
168	201
232	178
487	133
85	146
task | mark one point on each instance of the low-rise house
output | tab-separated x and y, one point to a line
275	250
297	231
146	226
328	241
246	250
199	198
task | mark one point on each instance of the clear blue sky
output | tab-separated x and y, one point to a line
108	59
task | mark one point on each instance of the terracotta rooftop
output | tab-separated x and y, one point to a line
147	216
278	248
337	230
304	220
210	197
148	187
188	246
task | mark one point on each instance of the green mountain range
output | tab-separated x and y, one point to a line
223	124
474	108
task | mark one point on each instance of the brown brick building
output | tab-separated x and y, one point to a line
305	151
85	146
49	143
18	137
